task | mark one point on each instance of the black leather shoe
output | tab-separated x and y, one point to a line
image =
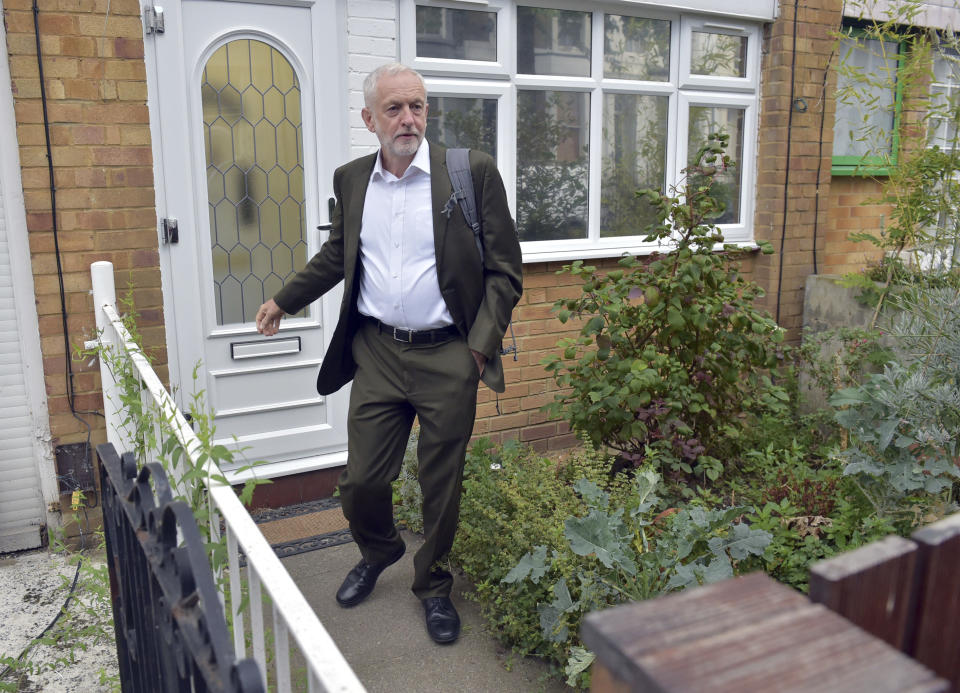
443	623
360	581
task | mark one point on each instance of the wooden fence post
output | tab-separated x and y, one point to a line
873	587
936	635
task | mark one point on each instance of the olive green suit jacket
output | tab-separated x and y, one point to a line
479	296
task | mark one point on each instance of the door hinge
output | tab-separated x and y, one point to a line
169	231
153	19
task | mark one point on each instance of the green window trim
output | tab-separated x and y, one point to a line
874	166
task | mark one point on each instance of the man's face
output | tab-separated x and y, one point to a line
399	115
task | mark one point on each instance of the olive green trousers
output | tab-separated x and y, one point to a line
395	382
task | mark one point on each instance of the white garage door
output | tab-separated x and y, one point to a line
23	458
21	504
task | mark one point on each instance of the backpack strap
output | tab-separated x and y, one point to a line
458	168
461	178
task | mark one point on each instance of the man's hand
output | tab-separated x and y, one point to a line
268	318
480	359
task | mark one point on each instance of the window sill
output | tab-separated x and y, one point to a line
598	253
861	171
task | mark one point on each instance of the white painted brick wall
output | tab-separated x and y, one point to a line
371	41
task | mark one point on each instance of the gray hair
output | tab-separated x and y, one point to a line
389	70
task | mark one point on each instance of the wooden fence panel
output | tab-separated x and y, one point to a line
873	587
937	640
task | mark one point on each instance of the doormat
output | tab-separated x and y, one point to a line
303	527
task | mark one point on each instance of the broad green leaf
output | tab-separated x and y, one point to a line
602	535
533	565
579	661
592	494
645	483
741	541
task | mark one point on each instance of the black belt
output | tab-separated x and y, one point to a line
435	336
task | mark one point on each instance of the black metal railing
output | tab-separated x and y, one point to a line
171	632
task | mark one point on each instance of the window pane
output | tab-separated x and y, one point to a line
553	42
634	157
726	188
945	99
866	88
553	131
636	48
456	34
254	151
718	55
456	121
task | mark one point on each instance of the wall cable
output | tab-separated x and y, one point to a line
786	173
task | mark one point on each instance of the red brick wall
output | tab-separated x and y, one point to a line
807	203
96	103
851	210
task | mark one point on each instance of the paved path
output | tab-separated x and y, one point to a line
385	641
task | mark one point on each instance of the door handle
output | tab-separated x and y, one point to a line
331	205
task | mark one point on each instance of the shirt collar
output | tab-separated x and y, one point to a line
421	162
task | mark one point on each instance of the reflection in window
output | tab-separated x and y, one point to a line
456	121
726	187
456	34
552	164
634	158
866	97
636	48
718	55
254	155
553	42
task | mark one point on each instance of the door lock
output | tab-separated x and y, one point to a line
169	231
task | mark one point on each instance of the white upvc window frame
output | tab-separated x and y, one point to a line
499	79
739	232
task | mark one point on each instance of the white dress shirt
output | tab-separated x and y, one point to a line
399	284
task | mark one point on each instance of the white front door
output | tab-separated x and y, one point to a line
248	142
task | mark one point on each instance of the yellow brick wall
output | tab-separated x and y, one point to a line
96	105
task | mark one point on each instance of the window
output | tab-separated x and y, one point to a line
945	99
866	125
583	108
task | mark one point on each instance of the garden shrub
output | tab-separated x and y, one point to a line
672	354
902	423
809	508
546	543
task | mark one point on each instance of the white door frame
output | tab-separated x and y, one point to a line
21	270
329	57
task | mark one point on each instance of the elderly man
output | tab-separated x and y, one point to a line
421	321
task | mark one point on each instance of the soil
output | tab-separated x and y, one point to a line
33	587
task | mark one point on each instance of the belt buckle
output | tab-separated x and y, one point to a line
408	340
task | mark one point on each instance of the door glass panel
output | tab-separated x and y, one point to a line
253	137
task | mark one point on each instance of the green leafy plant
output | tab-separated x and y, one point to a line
628	552
407	496
547	542
672	355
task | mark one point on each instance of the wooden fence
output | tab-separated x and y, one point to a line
882	618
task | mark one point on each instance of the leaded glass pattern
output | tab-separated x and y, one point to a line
253	137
